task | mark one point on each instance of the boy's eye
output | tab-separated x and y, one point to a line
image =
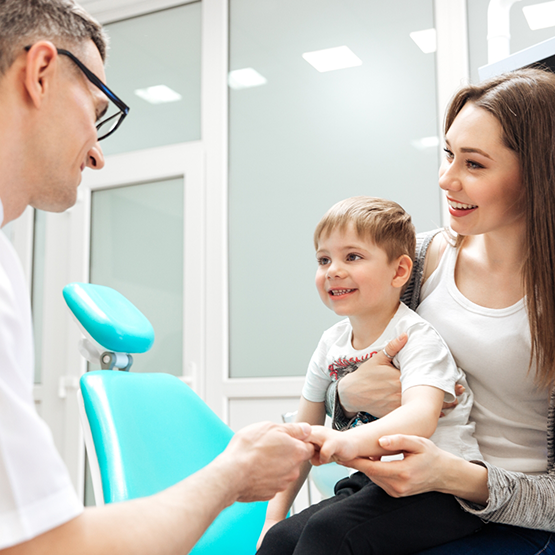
323	260
352	257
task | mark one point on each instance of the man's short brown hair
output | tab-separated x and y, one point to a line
63	22
382	221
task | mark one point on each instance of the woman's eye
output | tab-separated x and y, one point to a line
323	260
474	165
352	257
448	154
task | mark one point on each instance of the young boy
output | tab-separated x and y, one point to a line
365	248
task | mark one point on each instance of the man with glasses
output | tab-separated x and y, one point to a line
54	110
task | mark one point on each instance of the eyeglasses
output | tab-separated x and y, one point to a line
112	121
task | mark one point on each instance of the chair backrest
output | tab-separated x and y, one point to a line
150	431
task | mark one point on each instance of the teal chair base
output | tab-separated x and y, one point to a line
150	431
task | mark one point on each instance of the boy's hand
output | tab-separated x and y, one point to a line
331	445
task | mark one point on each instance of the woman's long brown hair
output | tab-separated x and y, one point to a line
523	102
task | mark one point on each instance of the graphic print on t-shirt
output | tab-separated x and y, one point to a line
342	366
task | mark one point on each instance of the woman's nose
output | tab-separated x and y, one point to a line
449	179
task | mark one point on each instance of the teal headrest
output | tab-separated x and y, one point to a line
109	318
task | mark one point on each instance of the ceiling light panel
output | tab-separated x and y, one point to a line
245	78
426	40
159	94
540	16
330	59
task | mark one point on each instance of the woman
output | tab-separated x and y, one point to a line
490	293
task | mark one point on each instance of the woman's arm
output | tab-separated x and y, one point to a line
424	468
494	494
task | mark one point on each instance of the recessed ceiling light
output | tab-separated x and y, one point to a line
425	40
331	59
245	78
540	16
426	142
158	94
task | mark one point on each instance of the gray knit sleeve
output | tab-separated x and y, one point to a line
520	499
411	297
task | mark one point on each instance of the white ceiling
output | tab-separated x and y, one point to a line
107	11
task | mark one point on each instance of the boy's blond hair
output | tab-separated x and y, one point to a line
382	221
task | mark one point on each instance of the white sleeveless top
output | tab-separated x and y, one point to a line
493	347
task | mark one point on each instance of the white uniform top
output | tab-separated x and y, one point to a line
510	412
424	360
36	493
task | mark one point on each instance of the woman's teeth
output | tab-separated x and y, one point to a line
460	205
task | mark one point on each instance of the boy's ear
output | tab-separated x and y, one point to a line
403	268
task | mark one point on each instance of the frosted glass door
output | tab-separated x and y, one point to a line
137	248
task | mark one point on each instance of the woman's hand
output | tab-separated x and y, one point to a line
418	472
375	387
425	467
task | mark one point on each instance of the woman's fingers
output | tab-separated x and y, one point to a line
393	347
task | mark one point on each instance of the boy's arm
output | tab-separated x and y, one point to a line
418	415
278	507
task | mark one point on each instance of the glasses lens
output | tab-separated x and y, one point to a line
109	123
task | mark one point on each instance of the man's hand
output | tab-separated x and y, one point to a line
266	457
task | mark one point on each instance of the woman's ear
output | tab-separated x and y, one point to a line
40	67
403	269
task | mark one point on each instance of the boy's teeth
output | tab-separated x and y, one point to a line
341	291
460	205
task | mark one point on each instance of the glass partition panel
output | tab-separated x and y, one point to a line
137	248
521	34
301	140
154	66
37	294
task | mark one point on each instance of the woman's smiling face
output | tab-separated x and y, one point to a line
480	175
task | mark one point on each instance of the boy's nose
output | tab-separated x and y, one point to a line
335	270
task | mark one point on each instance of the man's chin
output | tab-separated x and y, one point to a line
60	204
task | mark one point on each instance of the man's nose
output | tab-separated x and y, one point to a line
95	157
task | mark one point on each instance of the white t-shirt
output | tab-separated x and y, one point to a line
424	360
510	412
36	493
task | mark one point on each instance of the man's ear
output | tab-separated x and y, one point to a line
40	67
403	268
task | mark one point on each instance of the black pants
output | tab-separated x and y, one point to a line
361	519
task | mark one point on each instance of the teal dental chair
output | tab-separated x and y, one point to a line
146	432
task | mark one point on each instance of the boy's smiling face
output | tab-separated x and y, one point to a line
354	276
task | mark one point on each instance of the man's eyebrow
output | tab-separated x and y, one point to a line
102	112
